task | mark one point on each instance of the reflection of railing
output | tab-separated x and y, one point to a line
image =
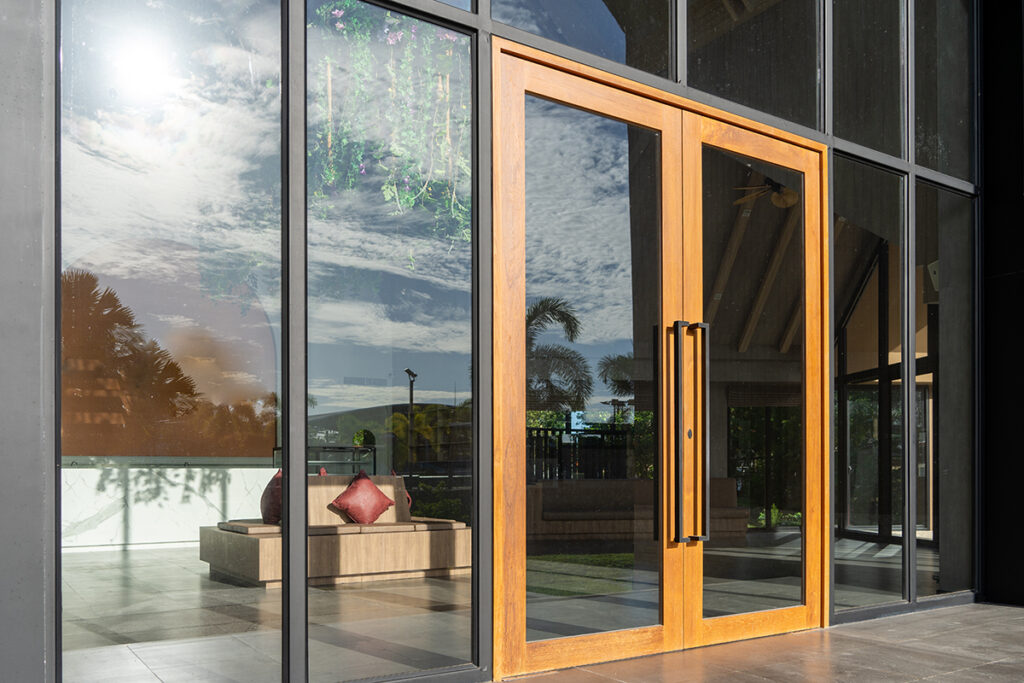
559	453
337	459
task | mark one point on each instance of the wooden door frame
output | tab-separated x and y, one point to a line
701	131
518	70
512	653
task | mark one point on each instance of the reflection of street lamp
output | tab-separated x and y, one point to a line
618	407
412	380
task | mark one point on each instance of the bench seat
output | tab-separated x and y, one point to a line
398	545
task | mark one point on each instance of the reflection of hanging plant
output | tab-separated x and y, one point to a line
391	108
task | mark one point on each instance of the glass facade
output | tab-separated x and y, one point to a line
170	336
761	54
868	73
868	243
753	224
170	352
636	34
389	350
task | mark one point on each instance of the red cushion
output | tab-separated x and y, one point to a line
362	501
270	501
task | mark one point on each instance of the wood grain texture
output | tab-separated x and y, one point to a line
509	340
809	161
514	78
684	127
507	47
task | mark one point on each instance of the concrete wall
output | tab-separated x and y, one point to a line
27	266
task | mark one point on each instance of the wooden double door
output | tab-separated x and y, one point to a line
660	396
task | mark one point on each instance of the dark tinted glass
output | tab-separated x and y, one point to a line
633	33
389	248
868	102
867	237
943	420
943	86
753	291
761	54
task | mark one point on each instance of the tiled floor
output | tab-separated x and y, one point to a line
956	644
154	615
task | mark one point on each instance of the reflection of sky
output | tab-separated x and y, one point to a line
577	227
170	157
584	24
385	293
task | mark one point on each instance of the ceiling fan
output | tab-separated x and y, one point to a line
781	196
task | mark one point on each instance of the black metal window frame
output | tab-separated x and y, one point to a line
481	27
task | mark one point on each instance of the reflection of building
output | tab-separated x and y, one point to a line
912	365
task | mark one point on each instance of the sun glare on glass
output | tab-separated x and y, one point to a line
143	69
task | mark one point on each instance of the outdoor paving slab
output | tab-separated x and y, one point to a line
968	643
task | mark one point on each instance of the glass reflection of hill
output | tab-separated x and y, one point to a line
441	434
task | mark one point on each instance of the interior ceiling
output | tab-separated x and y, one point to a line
759	306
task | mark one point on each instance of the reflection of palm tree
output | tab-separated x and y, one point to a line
617	373
120	389
95	325
557	377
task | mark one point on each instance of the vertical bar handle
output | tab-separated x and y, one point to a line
705	522
680	327
656	403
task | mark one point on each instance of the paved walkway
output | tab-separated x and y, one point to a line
967	643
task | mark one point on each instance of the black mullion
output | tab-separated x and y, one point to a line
482	590
294	618
680	7
825	61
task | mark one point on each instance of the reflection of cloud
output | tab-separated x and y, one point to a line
578	234
176	320
331	395
514	14
367	324
199	166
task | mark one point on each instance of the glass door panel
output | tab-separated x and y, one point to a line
755	238
587	184
753	285
592	295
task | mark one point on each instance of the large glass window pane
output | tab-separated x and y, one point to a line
753	293
868	72
944	425
389	109
592	302
761	54
944	99
637	34
170	335
867	238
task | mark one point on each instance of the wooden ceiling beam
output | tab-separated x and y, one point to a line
774	266
739	228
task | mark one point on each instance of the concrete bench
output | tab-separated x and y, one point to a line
397	545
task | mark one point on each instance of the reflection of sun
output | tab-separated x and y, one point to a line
142	68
